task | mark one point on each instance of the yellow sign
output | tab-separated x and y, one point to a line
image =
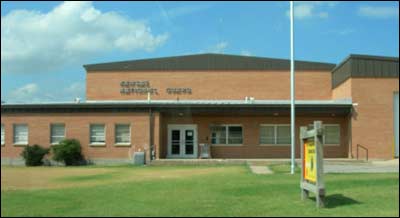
310	161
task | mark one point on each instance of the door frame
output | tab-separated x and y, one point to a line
182	128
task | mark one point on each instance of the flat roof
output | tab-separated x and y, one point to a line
365	66
207	62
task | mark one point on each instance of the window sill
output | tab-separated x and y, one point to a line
21	145
98	145
274	145
332	145
123	145
227	145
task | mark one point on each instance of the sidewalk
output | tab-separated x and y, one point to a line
391	166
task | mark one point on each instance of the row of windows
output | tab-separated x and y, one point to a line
274	134
271	134
57	134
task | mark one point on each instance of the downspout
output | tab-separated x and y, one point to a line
151	134
349	133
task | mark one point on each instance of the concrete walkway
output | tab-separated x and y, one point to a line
391	166
260	170
259	166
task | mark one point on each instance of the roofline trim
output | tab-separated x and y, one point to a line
361	56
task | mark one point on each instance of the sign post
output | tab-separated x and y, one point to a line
312	163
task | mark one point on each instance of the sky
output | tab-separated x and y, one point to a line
44	45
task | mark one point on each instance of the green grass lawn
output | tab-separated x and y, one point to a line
188	191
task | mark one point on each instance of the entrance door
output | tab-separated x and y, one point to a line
182	141
396	123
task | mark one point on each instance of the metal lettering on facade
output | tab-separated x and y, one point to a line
178	91
144	87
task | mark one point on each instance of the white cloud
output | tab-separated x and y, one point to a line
379	11
32	41
217	48
24	93
76	89
311	9
169	14
245	53
33	93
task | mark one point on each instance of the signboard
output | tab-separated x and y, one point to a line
312	163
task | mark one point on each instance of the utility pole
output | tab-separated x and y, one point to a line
292	90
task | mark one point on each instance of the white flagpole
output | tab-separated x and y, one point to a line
292	90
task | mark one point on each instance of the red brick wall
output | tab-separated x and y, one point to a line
77	126
343	91
251	124
372	122
213	85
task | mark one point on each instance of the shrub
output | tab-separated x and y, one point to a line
68	151
33	155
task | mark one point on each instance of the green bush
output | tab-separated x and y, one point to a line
68	151
33	155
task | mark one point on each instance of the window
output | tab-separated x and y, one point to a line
21	134
122	134
267	134
57	133
97	134
227	134
218	135
2	134
235	135
283	135
332	134
275	134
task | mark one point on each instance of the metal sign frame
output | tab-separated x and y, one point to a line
318	187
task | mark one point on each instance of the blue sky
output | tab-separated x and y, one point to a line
45	44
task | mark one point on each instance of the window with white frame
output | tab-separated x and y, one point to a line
331	133
57	133
227	134
2	134
267	134
97	134
275	134
122	134
21	134
283	135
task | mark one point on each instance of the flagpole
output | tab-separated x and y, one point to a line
292	91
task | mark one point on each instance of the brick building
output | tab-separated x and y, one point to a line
239	105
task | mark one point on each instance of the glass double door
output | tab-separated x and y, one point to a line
182	141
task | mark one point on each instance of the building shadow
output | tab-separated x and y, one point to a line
338	200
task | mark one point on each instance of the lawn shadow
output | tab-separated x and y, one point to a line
337	200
